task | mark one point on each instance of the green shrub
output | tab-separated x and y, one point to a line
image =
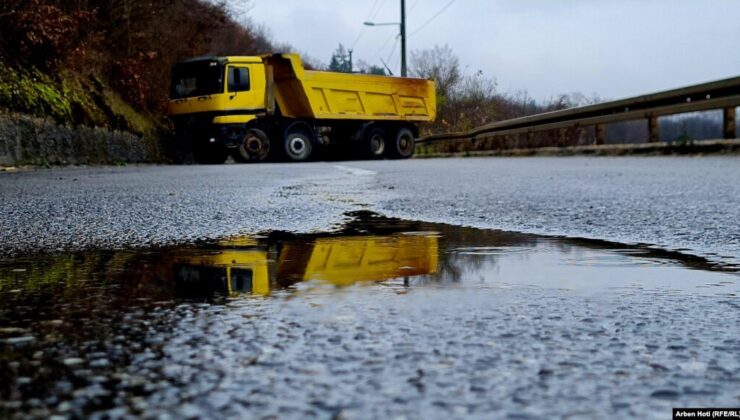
33	92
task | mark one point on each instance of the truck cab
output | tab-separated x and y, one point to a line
212	100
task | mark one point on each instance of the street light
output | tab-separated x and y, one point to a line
380	24
402	24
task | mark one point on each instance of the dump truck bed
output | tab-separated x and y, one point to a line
304	93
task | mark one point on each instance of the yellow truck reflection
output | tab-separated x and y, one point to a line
230	272
346	260
239	266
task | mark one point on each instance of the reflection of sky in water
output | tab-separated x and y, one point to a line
579	268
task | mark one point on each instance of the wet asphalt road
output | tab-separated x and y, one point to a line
153	205
690	204
505	339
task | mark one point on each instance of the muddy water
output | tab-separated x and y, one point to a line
189	330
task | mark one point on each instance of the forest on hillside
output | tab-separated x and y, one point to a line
107	63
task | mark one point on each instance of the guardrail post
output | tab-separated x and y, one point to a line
600	134
728	117
562	133
653	129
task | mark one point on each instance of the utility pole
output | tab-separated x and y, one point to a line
350	61
403	38
402	25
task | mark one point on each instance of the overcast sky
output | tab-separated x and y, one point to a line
613	48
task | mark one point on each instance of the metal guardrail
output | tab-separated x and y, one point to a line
721	94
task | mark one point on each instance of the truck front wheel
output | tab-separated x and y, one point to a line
298	145
255	147
403	144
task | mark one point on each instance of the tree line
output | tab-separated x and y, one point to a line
71	53
466	101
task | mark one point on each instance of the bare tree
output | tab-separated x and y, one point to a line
439	64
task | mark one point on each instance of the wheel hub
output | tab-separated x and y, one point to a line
405	144
297	145
377	145
254	145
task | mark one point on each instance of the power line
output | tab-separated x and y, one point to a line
357	39
385	44
392	50
413	6
359	35
431	19
380	7
375	3
362	30
390	72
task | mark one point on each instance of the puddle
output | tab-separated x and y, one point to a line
58	311
368	249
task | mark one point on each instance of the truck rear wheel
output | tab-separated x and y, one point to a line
403	144
298	145
374	142
255	146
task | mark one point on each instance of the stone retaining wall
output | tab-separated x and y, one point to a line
28	140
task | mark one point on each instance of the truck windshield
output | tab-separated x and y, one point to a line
197	78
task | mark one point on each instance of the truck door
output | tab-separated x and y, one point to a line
245	87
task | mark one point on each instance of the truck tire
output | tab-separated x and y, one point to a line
403	144
374	142
298	145
255	147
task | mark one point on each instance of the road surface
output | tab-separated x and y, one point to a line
491	323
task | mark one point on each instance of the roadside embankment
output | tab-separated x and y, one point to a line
29	140
71	119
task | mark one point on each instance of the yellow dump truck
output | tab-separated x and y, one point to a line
270	105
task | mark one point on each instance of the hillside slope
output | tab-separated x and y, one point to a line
101	65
